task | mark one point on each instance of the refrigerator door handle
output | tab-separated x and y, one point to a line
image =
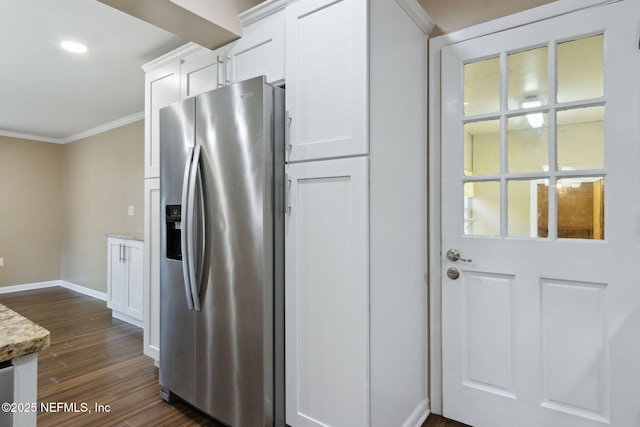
184	240
191	213
200	253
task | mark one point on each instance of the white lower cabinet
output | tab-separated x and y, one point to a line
326	294
125	279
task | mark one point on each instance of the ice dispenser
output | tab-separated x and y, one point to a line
174	221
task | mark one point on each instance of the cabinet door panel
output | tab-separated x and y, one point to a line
134	258
326	294
116	280
200	72
162	87
326	69
260	51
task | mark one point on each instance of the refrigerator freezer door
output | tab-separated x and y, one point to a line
177	322
234	351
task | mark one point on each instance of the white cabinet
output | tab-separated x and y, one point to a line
259	52
327	294
356	301
327	80
202	71
125	279
151	288
162	88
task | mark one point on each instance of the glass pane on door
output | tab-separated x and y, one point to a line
581	208
482	87
581	69
581	138
482	208
528	145
528	208
482	148
528	78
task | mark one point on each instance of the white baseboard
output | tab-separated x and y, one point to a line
29	286
52	283
84	290
419	415
126	318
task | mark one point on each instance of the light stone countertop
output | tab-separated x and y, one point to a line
134	235
19	336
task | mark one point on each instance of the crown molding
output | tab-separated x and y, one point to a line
174	55
262	10
104	128
417	14
85	134
30	137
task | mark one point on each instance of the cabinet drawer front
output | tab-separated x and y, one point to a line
327	294
326	69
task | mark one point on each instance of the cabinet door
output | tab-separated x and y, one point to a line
116	275
151	311
201	72
134	262
326	69
260	51
326	294
162	87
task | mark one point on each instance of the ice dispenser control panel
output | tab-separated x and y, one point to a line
174	229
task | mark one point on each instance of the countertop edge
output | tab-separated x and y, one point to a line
133	235
20	335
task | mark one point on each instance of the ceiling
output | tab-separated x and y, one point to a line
52	95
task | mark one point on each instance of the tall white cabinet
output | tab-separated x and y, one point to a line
355	267
356	296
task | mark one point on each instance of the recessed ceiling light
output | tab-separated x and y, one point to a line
74	47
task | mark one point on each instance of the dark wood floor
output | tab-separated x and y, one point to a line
97	360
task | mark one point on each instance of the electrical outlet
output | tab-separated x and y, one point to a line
1	262
132	210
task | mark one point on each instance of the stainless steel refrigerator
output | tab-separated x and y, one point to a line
222	253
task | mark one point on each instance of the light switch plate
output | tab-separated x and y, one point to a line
132	210
1	262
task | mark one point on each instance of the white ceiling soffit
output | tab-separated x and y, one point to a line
51	95
205	22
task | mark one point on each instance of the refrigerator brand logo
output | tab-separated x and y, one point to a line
246	95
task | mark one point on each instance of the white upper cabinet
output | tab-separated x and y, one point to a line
259	52
162	88
326	69
201	72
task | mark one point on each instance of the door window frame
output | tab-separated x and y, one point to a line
548	11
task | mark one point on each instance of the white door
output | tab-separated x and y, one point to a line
540	161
